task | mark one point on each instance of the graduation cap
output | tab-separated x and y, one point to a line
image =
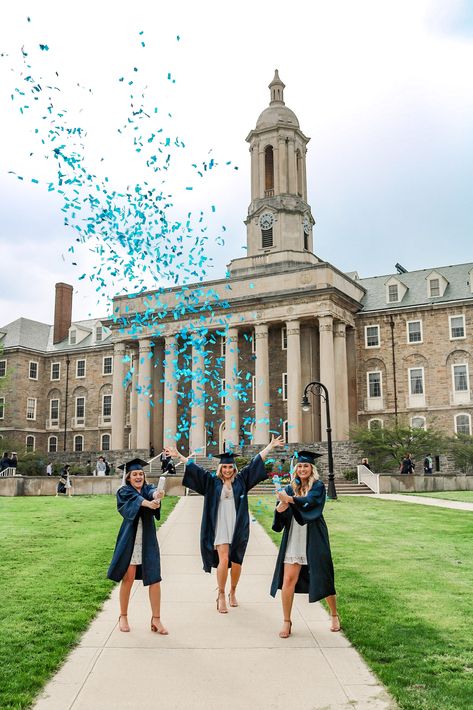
306	457
226	457
133	465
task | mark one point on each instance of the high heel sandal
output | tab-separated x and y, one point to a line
284	634
221	593
119	626
229	601
156	629
335	616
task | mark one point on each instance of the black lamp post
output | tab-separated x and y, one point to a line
68	362
320	390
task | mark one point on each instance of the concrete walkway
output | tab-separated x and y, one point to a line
212	660
421	500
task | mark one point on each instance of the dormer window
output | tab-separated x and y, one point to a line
436	284
395	290
72	336
434	287
98	334
393	293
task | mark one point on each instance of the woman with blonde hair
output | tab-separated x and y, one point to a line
304	564
225	527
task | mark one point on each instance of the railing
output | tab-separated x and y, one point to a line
10	471
368	478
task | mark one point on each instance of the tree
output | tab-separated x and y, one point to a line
461	449
385	447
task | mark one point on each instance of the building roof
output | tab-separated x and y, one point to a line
33	335
458	277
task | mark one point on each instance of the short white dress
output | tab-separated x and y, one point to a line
296	550
137	555
226	518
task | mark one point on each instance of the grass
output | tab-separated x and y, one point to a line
462	496
53	565
404	578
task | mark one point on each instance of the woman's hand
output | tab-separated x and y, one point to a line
285	498
158	495
175	454
282	507
153	504
275	441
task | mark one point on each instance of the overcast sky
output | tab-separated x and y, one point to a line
384	90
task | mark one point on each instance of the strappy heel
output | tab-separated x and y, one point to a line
229	599
335	616
221	593
155	627
286	634
119	626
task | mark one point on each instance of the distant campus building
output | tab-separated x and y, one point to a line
400	343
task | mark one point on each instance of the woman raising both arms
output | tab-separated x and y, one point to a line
225	527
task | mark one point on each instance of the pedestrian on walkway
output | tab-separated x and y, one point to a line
225	527
136	554
304	564
101	467
428	465
407	465
62	483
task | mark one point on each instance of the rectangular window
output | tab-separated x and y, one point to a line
253	343
374	384
222	392
98	334
107	405
372	336
31	408
414	331
80	368
253	389
80	407
33	370
78	443
223	345
2	407
107	365
393	293
52	444
54	409
284	338
55	370
416	380
434	285
72	337
267	238
457	327
463	424
3	368
284	386
460	378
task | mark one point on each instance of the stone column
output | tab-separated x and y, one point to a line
262	174
254	172
232	417
118	399
143	433
135	366
327	372
282	166
262	385
158	386
197	424
170	391
294	386
341	381
292	171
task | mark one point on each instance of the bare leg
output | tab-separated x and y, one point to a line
291	575
125	591
222	574
332	605
234	579
155	601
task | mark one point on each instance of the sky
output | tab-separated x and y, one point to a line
384	90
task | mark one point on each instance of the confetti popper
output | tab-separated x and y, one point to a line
277	484
161	484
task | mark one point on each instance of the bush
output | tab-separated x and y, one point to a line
241	462
31	464
350	474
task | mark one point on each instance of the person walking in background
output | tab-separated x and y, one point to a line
428	464
49	469
101	467
136	554
407	465
4	461
225	527
167	464
365	462
61	486
88	468
151	450
304	564
14	459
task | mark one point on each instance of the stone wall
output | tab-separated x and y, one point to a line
81	485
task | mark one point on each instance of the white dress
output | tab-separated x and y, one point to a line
296	550
136	557
226	517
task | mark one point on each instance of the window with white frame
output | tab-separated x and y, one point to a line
33	370
414	331
55	370
222	390
72	337
457	327
418	423
434	287
253	389
52	444
284	386
107	368
105	442
30	444
107	405
223	345
284	338
78	442
375	384
98	334
253	343
31	408
80	368
285	430
463	424
2	407
372	336
393	293
416	380
80	407
460	378
54	410
375	424
3	368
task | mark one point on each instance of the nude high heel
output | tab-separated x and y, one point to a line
155	627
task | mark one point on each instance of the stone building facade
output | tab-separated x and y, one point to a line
396	344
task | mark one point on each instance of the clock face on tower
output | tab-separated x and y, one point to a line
306	224
266	220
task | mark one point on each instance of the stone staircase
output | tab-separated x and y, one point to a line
343	488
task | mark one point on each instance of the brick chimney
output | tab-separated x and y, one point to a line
62	312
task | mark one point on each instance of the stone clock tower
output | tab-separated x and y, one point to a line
279	222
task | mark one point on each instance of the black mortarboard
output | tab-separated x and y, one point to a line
306	457
133	465
226	457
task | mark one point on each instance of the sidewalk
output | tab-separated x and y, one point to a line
212	660
436	502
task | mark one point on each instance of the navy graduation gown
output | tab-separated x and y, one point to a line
210	486
129	506
317	577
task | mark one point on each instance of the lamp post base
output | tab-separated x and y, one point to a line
331	490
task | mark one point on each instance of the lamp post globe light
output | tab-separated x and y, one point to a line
320	390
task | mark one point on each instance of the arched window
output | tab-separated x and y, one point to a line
418	422
30	444
268	171
463	424
52	444
105	446
375	424
78	442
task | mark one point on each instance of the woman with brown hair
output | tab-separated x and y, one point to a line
304	564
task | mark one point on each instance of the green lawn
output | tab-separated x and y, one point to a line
404	578
462	496
53	565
